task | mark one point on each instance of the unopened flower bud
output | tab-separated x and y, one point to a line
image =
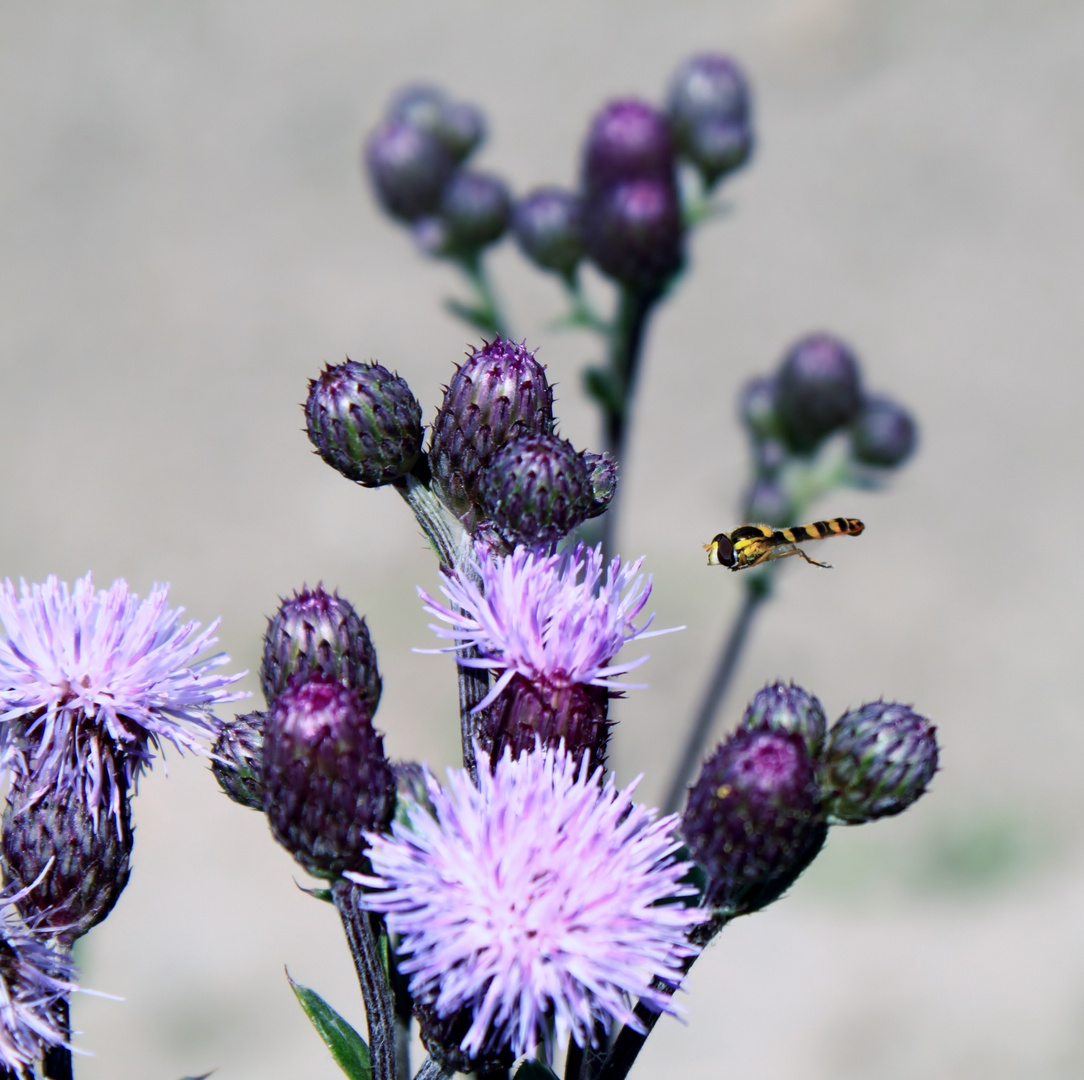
756	406
326	780
315	633
548	229
408	168
788	708
634	234
475	209
602	481
768	503
753	819
237	760
411	788
883	433
536	490
499	394
878	760
458	126
818	390
442	1037
628	140
90	857
365	422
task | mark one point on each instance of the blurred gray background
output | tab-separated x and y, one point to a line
185	240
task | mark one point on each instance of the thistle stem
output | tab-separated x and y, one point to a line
430	514
485	313
57	1063
363	935
431	1070
756	592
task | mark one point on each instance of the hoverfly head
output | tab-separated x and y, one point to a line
720	551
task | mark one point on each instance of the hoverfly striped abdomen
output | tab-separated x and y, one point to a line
750	545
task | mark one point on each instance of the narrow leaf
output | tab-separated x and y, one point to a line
346	1045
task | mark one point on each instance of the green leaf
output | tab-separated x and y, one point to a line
346	1045
535	1070
202	1077
316	893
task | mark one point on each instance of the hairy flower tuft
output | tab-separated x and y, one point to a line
539	901
93	682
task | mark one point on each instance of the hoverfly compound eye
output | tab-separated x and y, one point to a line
721	551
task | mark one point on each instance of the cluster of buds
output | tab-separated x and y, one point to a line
759	812
814	396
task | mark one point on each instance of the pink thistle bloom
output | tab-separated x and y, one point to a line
540	900
34	978
91	683
549	618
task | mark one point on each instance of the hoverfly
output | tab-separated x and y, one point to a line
751	545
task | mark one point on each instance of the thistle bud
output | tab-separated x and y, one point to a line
753	819
883	434
634	234
457	126
818	390
709	115
628	140
531	710
411	788
602	481
319	634
408	168
878	760
442	1037
364	422
326	780
237	760
789	709
475	210
548	229
768	503
756	406
536	490
90	857
499	394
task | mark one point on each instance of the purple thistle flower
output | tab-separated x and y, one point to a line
91	683
34	978
539	901
549	618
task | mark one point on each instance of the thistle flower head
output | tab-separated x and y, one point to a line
34	978
550	618
499	916
93	682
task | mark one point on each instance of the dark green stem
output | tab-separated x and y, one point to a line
363	934
757	591
57	1063
430	514
485	313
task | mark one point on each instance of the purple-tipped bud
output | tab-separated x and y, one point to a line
756	406
238	759
602	481
326	780
408	168
499	394
411	788
315	633
530	710
709	115
768	503
634	234
753	819
475	210
458	126
365	422
548	228
536	490
90	857
628	140
883	433
878	760
788	708
818	390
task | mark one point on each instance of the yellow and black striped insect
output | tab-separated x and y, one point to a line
751	545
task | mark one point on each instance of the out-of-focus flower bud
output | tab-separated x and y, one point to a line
457	125
548	229
634	234
768	503
315	633
536	490
788	708
326	779
628	140
878	760
883	434
753	819
756	406
709	115
475	209
90	857
408	168
602	480
365	422
238	759
818	390
499	394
